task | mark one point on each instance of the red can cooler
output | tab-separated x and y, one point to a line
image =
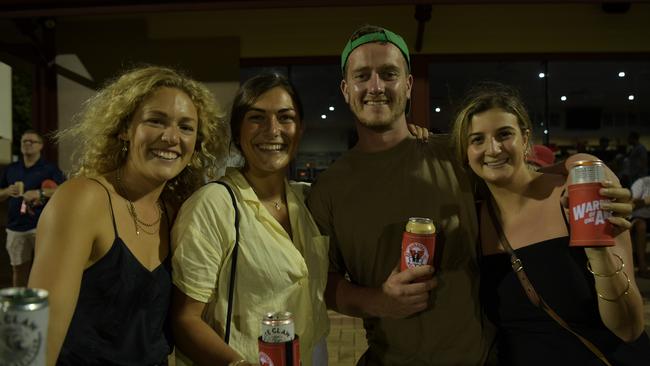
279	354
418	243
588	222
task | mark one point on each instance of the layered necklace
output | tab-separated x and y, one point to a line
140	226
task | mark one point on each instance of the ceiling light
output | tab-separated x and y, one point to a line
331	108
541	75
323	116
621	74
437	109
630	97
563	98
545	132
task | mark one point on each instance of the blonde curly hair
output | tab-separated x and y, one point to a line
98	147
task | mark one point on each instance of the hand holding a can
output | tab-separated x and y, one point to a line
16	189
401	296
620	205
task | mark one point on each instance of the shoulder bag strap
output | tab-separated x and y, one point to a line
533	296
233	267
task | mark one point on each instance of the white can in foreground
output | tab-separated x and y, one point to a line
23	326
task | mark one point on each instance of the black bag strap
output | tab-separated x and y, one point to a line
533	296
233	267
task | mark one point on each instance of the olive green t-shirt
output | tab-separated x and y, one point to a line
362	202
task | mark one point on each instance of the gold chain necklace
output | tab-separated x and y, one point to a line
139	224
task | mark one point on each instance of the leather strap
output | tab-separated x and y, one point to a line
233	266
533	296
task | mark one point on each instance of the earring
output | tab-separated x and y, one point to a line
125	147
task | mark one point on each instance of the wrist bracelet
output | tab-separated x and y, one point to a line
618	270
627	288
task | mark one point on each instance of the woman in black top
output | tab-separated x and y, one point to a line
145	142
492	136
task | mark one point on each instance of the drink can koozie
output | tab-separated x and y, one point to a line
588	222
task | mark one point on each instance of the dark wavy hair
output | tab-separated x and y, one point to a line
250	91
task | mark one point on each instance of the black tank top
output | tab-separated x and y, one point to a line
121	313
526	334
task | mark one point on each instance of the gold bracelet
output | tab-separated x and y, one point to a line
620	268
619	296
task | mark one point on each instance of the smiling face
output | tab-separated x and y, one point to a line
377	85
162	135
270	132
496	146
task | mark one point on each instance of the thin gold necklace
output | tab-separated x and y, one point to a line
139	224
277	204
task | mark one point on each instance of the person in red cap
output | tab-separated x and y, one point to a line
542	156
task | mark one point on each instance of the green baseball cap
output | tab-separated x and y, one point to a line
380	36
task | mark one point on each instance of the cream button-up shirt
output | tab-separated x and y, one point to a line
274	272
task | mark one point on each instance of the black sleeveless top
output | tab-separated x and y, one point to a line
121	313
526	334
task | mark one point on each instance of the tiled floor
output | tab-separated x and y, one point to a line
347	340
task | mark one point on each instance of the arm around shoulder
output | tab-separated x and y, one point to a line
65	235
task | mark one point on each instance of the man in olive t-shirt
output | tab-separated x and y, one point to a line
363	202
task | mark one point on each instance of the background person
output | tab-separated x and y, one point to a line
363	201
541	156
636	163
145	142
28	184
640	217
492	135
282	260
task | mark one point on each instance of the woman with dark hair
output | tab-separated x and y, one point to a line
282	259
591	288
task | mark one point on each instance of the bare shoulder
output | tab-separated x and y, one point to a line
78	198
70	225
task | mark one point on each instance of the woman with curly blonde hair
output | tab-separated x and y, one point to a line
145	142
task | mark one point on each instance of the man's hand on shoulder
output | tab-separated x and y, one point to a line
419	132
401	297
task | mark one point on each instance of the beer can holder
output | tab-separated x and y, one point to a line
588	222
279	354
